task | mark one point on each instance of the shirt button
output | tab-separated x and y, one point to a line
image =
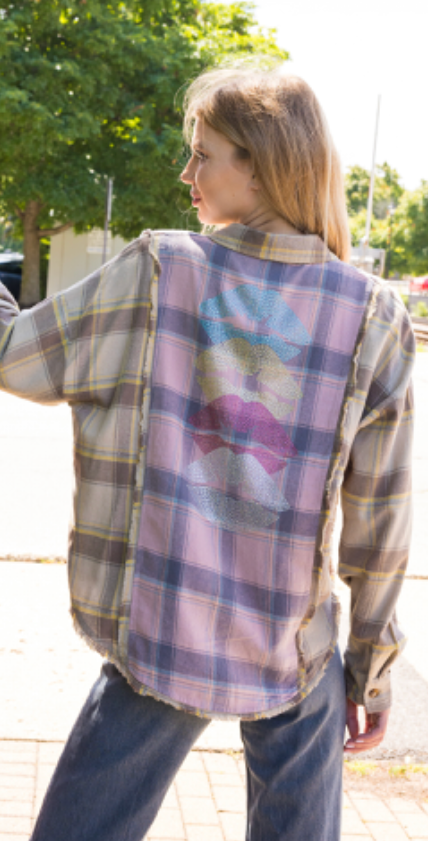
373	693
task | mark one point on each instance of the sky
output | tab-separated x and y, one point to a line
350	51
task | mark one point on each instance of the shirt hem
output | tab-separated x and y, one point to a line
142	689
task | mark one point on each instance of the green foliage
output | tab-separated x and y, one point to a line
45	248
357	183
387	190
410	236
400	218
88	89
405	770
359	768
421	310
357	225
10	237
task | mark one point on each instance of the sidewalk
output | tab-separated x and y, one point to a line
205	803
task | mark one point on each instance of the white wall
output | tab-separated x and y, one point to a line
73	257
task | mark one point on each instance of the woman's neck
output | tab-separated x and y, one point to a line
269	222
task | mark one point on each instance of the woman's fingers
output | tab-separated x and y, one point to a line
376	726
352	718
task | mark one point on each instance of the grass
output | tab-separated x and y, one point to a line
402	770
362	769
365	769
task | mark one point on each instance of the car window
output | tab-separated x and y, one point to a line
11	268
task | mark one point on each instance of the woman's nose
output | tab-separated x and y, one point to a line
187	176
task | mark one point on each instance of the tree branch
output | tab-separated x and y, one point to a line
50	232
19	212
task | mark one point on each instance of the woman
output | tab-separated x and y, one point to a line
226	388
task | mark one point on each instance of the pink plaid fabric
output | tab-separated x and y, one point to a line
225	391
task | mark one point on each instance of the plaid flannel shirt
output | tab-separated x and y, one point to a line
226	390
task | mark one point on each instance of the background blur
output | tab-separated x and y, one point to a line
91	94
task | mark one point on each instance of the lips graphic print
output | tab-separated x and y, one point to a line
250	392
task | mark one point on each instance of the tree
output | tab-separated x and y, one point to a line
88	89
409	247
387	196
387	190
357	183
400	218
9	240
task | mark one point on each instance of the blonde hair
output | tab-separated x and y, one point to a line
275	120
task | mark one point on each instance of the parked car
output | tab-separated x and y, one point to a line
11	272
419	285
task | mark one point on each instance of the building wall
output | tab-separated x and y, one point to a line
73	257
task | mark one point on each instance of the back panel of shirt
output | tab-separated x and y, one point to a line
252	359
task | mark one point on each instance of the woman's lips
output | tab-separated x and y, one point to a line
196	200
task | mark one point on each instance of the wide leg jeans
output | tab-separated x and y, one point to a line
125	750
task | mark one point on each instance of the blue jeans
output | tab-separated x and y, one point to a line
125	750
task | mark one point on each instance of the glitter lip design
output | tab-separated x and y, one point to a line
250	392
269	461
244	470
231	411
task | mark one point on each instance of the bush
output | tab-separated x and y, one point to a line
421	310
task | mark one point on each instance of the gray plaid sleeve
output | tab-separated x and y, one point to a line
376	502
70	347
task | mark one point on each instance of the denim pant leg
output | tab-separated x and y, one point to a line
117	765
294	766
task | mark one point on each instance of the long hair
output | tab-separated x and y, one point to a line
275	120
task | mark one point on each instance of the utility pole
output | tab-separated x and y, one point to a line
107	217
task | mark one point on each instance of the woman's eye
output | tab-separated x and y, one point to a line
200	156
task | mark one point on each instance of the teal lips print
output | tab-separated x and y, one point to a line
262	306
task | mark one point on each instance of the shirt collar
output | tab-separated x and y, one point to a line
282	248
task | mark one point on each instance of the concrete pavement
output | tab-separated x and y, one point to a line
47	670
205	803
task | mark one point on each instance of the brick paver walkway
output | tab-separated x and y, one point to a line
205	803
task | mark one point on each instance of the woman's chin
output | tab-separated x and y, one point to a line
204	217
208	219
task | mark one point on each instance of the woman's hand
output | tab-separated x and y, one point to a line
371	736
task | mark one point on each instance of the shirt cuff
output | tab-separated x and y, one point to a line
368	674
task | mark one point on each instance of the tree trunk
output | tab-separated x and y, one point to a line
30	289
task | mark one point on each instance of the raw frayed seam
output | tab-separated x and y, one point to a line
141	465
336	469
332	486
143	690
